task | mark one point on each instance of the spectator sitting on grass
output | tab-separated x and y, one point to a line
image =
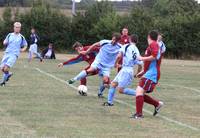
49	53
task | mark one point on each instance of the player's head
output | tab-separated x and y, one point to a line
125	31
133	38
116	37
160	37
17	27
153	35
32	30
77	46
50	45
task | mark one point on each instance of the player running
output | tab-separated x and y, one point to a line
150	76
15	43
124	40
89	58
103	62
34	38
129	53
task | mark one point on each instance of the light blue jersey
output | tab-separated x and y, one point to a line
107	54
14	43
130	53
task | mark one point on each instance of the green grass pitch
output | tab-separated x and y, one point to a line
38	104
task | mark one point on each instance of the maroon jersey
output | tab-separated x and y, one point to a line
89	58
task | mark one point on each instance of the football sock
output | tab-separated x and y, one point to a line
81	75
129	91
111	94
139	104
150	100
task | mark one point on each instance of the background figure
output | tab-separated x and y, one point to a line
48	53
33	45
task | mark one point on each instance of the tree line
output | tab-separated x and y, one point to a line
177	20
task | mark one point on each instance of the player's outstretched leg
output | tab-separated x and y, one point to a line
6	76
157	104
111	94
81	75
128	91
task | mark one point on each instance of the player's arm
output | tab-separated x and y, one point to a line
71	61
149	58
5	42
119	57
24	45
89	49
24	48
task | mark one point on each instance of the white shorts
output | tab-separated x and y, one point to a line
103	71
124	77
33	48
9	60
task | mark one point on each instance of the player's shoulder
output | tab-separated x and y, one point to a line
105	41
154	44
22	36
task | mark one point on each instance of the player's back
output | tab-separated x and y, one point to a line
130	54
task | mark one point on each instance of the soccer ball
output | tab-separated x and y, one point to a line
82	90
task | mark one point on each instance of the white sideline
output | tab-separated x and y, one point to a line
121	102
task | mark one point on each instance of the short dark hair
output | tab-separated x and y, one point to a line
77	44
134	38
153	35
117	36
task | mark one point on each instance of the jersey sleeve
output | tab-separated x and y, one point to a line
163	48
24	42
73	60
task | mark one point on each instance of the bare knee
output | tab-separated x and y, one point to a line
121	90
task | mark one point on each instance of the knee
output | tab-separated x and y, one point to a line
5	69
121	90
106	80
114	84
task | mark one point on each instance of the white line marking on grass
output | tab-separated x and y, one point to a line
189	88
122	102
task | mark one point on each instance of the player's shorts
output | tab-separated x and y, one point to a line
33	48
92	73
124	77
103	71
147	85
9	60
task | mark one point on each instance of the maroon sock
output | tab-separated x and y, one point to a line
150	100
139	104
83	81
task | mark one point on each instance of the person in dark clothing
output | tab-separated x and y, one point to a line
48	53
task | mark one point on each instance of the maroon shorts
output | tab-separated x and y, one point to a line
147	85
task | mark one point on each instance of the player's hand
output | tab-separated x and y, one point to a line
60	65
139	58
139	75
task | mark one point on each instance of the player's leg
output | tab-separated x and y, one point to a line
83	81
35	51
101	88
125	79
111	94
30	56
82	74
152	101
7	62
